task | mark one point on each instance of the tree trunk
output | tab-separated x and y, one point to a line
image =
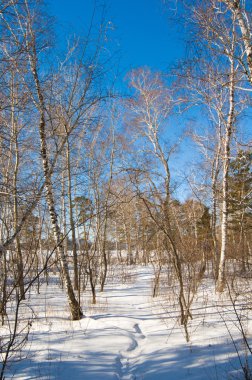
226	163
19	257
214	178
74	306
72	224
245	28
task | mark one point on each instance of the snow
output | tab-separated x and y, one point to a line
128	335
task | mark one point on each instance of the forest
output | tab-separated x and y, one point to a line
97	183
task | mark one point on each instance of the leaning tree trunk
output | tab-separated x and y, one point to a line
170	238
75	309
74	306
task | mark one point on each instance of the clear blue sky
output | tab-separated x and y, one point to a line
142	33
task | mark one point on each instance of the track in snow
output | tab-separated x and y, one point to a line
126	359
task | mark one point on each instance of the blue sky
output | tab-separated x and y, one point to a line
142	31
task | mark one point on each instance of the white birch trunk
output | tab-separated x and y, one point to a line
74	306
245	31
226	163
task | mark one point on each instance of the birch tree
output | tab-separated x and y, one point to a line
220	32
23	31
75	309
242	13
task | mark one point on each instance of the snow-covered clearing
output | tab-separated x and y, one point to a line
127	336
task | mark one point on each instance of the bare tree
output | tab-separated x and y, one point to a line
151	108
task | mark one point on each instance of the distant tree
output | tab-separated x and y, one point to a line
240	205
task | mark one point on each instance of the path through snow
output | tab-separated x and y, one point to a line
126	336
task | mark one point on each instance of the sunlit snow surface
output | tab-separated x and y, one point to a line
129	336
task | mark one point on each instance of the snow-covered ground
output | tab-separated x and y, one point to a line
128	335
